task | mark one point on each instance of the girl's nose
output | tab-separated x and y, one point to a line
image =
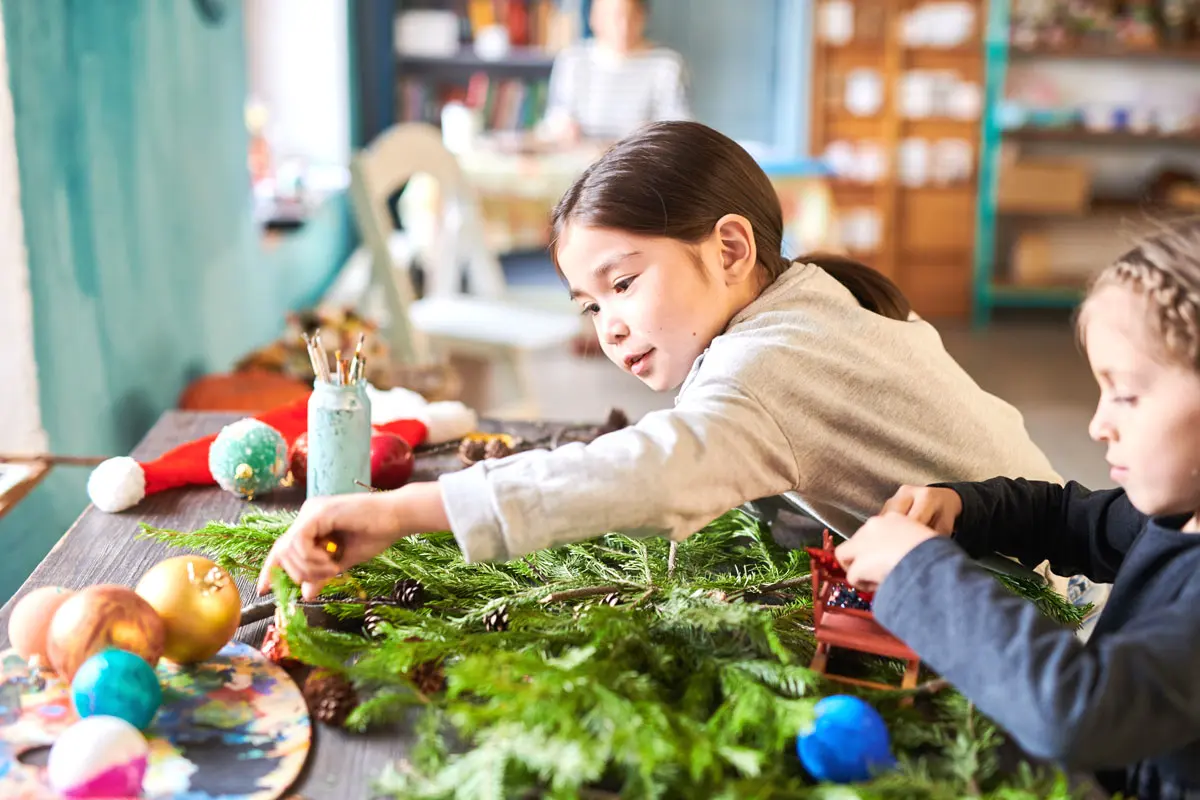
1100	429
613	329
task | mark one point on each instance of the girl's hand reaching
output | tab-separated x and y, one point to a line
362	525
936	507
870	555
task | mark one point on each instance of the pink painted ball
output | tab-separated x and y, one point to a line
29	624
98	757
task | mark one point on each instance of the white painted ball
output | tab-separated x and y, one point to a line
98	757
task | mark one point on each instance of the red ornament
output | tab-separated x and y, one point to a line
392	461
298	460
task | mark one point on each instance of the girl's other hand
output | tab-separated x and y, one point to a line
871	554
936	507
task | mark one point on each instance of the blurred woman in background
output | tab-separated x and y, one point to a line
607	86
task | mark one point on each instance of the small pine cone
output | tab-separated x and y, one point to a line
429	677
497	448
373	621
470	451
330	697
408	593
611	599
617	419
496	620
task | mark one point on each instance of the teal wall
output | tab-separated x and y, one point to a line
749	64
146	268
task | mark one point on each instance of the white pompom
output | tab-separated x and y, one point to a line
447	420
117	484
393	404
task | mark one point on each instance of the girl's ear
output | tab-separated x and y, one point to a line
739	256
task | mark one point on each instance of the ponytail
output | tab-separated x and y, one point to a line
873	290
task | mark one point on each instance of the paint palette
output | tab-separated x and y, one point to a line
235	728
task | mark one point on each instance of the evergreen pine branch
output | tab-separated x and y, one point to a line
694	685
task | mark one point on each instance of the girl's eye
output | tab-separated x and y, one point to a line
591	309
1126	400
623	284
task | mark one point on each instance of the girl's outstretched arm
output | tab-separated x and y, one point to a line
670	474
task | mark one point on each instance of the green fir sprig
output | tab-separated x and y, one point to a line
694	684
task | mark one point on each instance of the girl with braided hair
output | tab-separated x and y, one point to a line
1125	705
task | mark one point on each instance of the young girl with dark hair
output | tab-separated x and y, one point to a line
810	378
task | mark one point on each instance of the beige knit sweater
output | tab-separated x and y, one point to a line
804	393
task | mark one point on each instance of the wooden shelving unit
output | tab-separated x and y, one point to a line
926	232
994	286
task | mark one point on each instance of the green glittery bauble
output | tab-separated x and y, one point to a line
248	458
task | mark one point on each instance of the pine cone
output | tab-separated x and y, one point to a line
471	451
408	593
429	677
496	620
330	697
497	448
617	419
373	621
611	599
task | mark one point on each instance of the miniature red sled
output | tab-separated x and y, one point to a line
850	628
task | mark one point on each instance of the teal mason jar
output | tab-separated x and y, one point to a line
339	439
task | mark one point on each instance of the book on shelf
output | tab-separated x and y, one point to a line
509	104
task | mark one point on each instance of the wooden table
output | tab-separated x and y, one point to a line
100	548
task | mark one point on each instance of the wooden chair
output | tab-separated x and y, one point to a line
446	322
850	628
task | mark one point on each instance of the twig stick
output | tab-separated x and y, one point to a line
790	583
575	594
533	568
645	596
367	486
671	559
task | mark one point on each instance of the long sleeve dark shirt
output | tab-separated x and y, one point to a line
1125	704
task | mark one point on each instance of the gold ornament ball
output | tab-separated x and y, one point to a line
100	617
199	605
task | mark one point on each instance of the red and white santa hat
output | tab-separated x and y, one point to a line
121	483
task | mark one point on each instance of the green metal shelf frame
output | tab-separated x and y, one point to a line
995	70
989	295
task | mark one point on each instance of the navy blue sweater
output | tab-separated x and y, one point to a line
1125	705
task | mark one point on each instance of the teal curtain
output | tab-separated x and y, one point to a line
146	266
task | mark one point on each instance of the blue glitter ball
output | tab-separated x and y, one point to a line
248	458
117	683
848	741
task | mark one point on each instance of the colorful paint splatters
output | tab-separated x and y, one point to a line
234	728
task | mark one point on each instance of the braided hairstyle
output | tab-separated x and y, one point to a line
1165	271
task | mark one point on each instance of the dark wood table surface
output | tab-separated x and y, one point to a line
101	548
